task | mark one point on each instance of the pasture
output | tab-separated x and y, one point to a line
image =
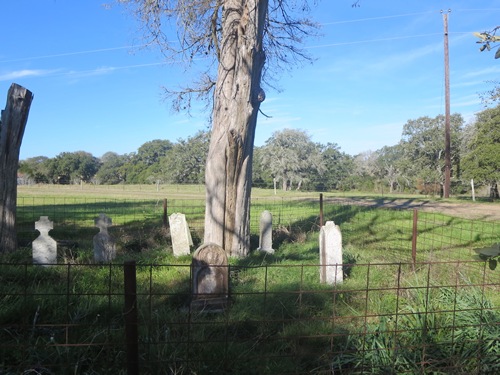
436	313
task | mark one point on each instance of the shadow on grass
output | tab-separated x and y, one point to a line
279	319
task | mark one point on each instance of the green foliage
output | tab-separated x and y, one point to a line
491	254
449	330
289	156
337	169
280	318
290	159
481	161
35	169
71	167
185	161
487	39
113	168
423	146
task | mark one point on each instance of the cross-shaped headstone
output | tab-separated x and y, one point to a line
44	246
104	243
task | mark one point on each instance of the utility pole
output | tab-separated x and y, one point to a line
447	137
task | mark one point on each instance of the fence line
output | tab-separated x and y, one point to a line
440	317
420	304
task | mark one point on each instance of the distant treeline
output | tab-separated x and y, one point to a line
290	160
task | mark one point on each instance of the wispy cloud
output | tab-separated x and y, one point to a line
72	74
489	72
16	74
78	74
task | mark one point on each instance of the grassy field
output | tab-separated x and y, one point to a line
439	315
173	192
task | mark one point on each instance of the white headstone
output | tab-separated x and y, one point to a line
44	246
266	232
180	234
330	253
104	243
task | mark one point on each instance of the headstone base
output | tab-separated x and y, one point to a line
213	305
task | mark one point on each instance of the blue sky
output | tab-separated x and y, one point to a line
377	66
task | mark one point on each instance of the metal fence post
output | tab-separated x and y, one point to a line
414	238
165	214
130	314
320	210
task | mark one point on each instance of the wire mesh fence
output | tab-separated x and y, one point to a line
414	299
385	318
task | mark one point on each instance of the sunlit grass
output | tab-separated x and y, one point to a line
280	319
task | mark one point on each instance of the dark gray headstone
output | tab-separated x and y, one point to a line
210	278
104	243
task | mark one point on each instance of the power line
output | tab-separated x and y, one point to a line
376	18
307	47
372	40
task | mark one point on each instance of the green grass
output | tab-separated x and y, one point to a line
385	317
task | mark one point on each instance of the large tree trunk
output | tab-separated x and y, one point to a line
12	125
494	191
236	104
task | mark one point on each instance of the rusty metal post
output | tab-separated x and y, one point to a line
414	238
320	210
165	214
130	314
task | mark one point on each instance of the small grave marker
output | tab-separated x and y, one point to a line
44	246
104	243
330	252
210	278
180	235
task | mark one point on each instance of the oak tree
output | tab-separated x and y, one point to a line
290	156
481	161
238	41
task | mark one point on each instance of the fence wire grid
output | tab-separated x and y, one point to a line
415	299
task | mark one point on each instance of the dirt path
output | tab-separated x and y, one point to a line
482	211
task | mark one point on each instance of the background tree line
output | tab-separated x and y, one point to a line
291	160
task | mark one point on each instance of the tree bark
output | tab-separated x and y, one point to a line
12	125
494	191
236	104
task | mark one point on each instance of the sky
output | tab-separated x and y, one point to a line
376	66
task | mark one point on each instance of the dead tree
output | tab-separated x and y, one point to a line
12	124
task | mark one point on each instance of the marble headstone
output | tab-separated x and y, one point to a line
180	235
44	246
330	252
266	232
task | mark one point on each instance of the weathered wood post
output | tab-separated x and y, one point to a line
12	124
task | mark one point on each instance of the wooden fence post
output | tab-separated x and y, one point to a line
12	124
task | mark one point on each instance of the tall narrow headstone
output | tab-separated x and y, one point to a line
180	234
209	270
44	246
104	243
330	253
266	232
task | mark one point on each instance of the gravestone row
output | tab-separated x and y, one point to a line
44	247
209	267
